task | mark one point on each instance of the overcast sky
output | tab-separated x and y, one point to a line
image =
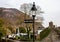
51	8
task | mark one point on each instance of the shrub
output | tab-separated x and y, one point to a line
17	37
44	33
24	38
22	30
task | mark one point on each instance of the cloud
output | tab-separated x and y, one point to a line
9	3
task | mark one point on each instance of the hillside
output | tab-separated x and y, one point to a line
14	18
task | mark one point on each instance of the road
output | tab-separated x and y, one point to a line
10	40
32	41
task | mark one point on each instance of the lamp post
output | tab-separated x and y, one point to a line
33	9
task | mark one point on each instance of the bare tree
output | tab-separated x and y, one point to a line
26	7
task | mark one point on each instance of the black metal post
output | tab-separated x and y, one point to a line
33	28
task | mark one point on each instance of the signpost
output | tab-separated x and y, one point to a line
28	21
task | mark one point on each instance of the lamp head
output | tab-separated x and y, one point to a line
33	7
